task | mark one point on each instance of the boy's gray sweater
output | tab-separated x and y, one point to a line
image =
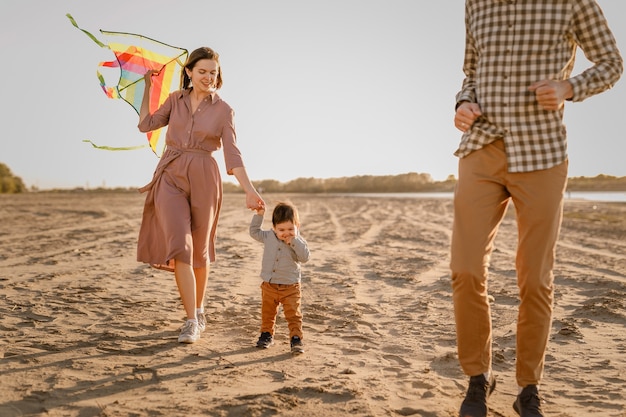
281	262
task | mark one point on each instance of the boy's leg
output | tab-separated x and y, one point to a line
269	307
291	297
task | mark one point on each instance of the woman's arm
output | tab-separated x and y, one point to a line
145	102
253	199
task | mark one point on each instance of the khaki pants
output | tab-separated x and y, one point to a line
290	297
481	197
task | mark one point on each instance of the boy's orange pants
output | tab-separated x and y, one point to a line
290	296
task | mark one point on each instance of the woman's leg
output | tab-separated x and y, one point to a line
201	277
186	283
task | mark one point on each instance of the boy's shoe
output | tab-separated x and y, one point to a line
265	340
201	322
475	402
296	345
528	403
189	333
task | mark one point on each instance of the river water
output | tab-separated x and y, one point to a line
613	196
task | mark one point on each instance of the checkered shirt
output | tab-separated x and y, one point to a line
511	44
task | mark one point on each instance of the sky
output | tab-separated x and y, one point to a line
322	89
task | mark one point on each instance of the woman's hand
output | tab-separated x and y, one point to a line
254	201
147	77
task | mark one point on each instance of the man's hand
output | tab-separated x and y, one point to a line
551	94
466	114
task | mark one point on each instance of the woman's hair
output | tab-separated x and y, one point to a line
285	212
198	54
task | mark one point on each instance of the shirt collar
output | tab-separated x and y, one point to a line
214	96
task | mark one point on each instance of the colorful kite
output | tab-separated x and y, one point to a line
135	55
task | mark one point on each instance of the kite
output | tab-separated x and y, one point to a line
134	56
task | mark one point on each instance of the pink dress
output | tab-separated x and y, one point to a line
183	203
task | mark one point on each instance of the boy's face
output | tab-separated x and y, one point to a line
285	230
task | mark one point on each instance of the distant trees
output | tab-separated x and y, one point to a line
411	182
403	183
598	183
9	183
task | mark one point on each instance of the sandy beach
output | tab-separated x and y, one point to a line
88	331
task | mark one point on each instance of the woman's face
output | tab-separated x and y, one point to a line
204	75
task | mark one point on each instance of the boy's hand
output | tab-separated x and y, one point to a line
288	236
260	211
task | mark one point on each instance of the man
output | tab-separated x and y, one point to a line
519	55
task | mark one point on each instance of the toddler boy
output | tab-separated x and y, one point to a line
283	252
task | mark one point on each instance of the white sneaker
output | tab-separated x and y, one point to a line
189	333
201	322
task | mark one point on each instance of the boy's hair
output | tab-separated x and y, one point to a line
285	212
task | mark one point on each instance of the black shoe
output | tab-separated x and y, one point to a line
296	345
528	403
475	402
265	340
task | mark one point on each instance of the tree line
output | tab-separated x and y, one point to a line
406	183
411	182
9	183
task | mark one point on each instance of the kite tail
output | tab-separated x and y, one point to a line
112	148
93	38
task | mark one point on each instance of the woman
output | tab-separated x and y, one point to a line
184	197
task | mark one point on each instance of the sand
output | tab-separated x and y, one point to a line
88	331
